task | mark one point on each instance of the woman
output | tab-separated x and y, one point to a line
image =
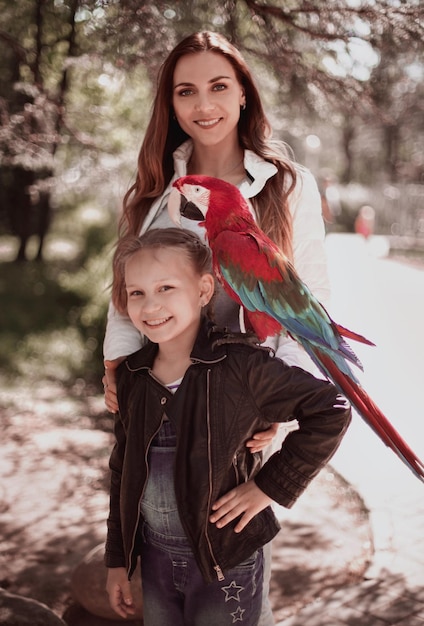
208	119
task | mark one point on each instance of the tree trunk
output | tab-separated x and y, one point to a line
348	134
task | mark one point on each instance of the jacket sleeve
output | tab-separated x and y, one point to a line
309	258
283	393
114	550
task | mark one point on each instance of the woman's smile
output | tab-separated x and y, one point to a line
208	123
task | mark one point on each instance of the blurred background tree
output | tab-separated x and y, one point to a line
342	82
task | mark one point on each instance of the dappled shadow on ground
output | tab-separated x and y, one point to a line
53	497
53	505
387	599
325	544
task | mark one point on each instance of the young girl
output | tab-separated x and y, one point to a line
186	494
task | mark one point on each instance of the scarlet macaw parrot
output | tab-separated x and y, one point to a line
260	278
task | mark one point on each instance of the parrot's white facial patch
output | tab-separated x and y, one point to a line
198	195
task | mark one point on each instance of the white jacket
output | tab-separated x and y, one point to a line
309	257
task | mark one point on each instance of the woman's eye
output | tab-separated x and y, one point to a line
185	92
219	87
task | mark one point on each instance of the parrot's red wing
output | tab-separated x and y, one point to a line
241	265
241	253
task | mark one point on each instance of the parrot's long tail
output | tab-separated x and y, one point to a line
350	334
374	417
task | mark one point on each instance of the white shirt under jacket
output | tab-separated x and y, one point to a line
122	338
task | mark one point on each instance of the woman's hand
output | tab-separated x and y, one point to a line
246	500
109	384
263	439
119	591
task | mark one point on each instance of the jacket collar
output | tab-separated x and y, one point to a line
258	170
204	350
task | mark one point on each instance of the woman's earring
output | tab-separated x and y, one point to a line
243	107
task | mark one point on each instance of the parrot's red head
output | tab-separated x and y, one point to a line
193	196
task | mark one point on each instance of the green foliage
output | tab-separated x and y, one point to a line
52	314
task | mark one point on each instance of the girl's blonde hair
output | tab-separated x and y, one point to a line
185	240
164	135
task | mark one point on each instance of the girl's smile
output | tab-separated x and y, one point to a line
156	322
165	296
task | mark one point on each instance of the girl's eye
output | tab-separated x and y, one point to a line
165	288
134	293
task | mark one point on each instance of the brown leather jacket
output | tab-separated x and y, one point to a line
232	390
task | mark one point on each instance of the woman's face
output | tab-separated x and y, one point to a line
207	97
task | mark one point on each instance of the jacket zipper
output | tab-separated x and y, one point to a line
235	464
142	493
216	567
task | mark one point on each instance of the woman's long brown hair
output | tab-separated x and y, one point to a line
164	135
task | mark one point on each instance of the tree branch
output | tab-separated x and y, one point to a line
14	45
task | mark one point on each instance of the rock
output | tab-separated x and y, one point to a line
20	611
88	587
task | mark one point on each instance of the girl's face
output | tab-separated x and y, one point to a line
207	97
165	294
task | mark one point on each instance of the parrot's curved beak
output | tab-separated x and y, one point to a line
190	211
179	205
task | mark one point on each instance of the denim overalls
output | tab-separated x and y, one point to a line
174	592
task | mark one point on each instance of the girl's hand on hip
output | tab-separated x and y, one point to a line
246	500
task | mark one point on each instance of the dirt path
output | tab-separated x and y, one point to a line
53	500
